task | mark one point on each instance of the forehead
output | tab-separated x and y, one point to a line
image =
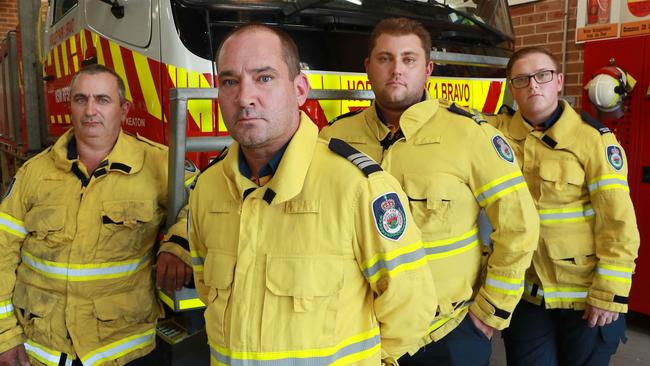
531	63
253	48
398	44
100	83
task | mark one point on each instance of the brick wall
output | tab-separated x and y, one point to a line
541	24
8	16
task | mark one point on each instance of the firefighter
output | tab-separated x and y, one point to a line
304	252
577	289
77	229
451	165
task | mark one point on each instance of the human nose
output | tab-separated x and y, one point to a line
91	107
397	67
247	93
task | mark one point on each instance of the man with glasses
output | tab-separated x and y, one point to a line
576	171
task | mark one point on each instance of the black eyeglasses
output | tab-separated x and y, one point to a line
541	77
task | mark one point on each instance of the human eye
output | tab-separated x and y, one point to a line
409	60
103	100
520	81
544	76
227	83
265	78
79	99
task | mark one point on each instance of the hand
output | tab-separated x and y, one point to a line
171	272
15	356
597	316
486	329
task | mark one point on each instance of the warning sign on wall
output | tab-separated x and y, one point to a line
606	19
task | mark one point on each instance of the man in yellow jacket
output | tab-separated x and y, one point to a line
304	252
77	228
451	167
578	285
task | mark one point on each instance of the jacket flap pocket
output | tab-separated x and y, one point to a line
34	300
569	249
298	206
45	218
128	211
219	269
304	277
562	171
134	305
434	188
222	206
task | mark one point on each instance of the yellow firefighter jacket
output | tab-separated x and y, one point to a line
450	167
577	175
321	265
76	260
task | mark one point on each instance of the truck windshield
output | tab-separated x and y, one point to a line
333	35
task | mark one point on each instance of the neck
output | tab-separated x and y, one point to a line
391	116
94	151
541	118
256	158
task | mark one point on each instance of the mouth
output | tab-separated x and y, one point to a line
395	83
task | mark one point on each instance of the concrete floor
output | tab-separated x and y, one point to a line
635	352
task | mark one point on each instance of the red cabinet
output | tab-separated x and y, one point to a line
633	131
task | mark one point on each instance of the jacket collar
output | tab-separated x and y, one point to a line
410	122
126	157
559	136
288	180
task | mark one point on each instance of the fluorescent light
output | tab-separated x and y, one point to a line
356	2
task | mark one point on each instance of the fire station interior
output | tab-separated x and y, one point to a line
603	46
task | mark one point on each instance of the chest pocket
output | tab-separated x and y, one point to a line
562	181
124	226
47	224
432	201
302	293
219	269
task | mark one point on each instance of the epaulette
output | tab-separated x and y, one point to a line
506	109
444	102
595	123
345	115
476	116
152	143
356	157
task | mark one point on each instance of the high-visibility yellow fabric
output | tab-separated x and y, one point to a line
450	169
588	237
296	271
76	264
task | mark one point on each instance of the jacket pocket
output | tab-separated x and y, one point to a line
35	312
431	202
302	292
562	181
219	269
573	262
47	224
124	224
125	313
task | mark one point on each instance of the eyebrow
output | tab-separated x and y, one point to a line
258	70
93	95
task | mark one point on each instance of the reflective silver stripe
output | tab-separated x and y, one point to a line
46	355
119	348
390	265
529	289
606	182
354	348
83	272
12	225
553	215
197	261
500	187
566	295
504	285
451	246
611	272
6	308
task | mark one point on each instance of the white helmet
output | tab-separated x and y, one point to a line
603	92
608	88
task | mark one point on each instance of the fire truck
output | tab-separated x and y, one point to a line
164	50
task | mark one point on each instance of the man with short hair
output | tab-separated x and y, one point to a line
304	252
577	288
77	229
451	167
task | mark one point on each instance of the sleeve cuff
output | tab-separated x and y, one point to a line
177	250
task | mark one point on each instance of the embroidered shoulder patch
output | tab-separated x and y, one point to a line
389	216
615	157
503	149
